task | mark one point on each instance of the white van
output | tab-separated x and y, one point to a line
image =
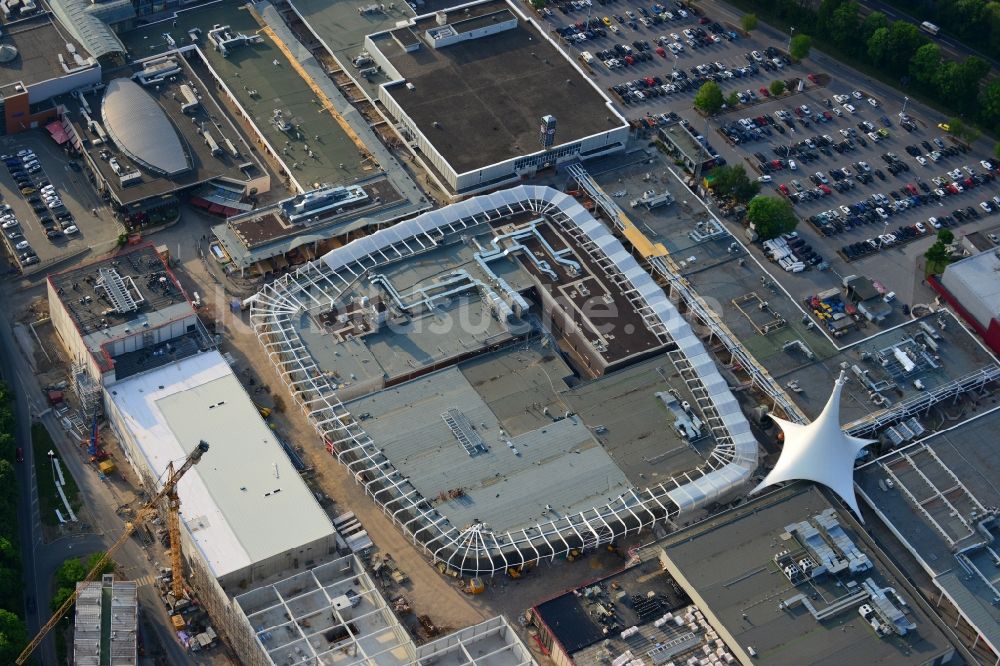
587	57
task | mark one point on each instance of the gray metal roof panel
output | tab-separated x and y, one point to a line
141	129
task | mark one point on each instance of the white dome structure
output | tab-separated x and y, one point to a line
819	452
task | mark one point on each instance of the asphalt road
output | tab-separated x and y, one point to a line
41	560
28	521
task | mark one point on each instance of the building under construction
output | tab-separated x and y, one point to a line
506	381
163	388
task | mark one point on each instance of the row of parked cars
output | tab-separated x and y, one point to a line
925	152
792	253
906	233
878	208
41	195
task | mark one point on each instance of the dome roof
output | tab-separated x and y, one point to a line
819	452
139	127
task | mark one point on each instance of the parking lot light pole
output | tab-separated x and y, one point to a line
791	33
903	112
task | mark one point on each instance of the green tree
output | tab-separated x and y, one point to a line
771	216
732	100
70	572
925	65
749	22
946	236
709	98
878	45
996	150
989	103
733	181
903	41
13	636
844	25
937	257
777	87
872	23
960	82
800	46
962	130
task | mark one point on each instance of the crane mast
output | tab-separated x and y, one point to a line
143	514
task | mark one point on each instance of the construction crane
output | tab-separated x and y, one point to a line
146	512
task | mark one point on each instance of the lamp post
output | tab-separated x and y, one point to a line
791	33
903	112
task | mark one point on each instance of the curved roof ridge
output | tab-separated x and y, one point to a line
140	128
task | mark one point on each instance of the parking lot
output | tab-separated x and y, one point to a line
839	209
861	181
51	205
653	63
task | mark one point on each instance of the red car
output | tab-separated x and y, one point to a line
969	182
911	188
812	77
952	189
777	164
825	189
20	454
704	20
783	189
764	92
660	51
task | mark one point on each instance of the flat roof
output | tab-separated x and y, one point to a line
639	596
727	564
258	229
155	292
39	42
204	165
237	502
555	468
954	475
106	623
488	95
261	87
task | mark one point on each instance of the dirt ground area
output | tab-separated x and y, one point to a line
428	591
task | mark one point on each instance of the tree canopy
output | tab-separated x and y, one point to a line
709	98
13	636
771	216
749	22
800	46
733	181
777	87
901	52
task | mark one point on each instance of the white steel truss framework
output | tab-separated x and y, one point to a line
477	550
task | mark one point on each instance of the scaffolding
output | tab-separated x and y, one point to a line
89	394
477	549
774	322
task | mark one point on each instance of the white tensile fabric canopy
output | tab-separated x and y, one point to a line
819	452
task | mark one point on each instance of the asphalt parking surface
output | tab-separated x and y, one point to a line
899	265
731	55
859	228
78	197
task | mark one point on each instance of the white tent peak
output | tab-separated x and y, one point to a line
820	451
